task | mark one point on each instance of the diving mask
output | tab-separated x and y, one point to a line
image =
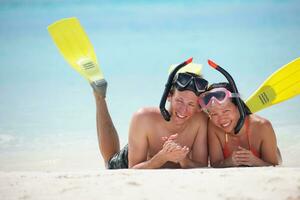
189	81
217	95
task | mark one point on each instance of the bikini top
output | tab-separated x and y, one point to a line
226	150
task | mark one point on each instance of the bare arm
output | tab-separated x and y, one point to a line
268	148
138	145
269	145
199	152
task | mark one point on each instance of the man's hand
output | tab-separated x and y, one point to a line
173	151
171	137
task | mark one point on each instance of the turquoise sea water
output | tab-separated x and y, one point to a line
47	112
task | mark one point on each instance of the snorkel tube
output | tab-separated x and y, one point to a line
235	90
162	105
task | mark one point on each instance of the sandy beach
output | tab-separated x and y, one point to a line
232	183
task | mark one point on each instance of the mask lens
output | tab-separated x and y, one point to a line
183	79
219	95
207	98
200	84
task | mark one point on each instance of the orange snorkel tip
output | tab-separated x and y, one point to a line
188	61
212	64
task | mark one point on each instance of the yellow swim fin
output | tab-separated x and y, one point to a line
280	86
191	67
74	45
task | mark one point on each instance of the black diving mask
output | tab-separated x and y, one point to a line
184	81
190	81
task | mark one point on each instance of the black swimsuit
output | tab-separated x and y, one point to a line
119	160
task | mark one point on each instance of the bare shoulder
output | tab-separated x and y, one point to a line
211	126
141	122
201	117
147	112
146	115
261	125
259	121
199	122
213	129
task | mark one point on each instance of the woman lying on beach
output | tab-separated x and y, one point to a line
254	145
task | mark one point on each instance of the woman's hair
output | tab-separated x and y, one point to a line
229	88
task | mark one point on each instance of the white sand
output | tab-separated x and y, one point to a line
232	183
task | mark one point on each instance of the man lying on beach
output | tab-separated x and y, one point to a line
153	141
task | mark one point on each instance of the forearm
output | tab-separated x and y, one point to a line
189	163
261	163
157	161
228	163
222	163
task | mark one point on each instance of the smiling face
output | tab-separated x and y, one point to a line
183	105
224	116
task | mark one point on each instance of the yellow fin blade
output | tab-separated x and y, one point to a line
280	86
75	46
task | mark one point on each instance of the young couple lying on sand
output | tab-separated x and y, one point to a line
202	123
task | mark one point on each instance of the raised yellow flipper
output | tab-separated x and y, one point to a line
76	48
280	86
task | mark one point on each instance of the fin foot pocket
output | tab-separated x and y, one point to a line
100	86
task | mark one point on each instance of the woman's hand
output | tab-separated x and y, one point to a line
245	157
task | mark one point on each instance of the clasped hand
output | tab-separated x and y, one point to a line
243	157
172	151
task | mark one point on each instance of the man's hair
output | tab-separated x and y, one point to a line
229	88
